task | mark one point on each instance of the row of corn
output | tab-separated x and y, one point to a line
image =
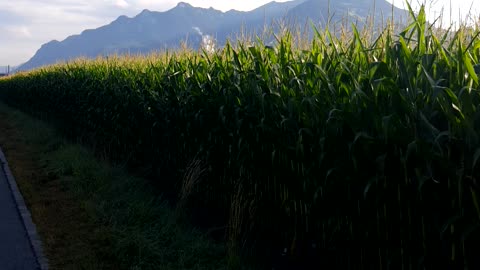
361	153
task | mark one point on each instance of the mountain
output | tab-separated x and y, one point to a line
151	30
358	11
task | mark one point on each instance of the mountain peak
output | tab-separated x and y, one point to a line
144	12
184	5
121	19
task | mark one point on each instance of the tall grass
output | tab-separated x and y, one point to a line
356	153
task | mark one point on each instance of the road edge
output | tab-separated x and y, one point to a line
25	215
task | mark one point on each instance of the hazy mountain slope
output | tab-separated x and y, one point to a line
150	30
320	11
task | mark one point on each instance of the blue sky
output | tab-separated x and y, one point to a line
27	24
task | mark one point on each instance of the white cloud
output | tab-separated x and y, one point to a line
197	29
121	3
19	32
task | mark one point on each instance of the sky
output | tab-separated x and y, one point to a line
27	24
465	11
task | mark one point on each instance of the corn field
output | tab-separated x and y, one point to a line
358	153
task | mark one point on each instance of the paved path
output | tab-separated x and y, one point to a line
19	245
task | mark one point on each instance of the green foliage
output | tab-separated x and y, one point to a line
367	148
136	229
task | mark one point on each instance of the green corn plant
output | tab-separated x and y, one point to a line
354	139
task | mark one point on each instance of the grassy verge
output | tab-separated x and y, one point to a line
92	215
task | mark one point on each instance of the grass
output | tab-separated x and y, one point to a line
92	215
70	238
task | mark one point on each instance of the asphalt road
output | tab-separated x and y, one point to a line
16	252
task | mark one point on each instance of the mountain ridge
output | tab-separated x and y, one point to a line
154	30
